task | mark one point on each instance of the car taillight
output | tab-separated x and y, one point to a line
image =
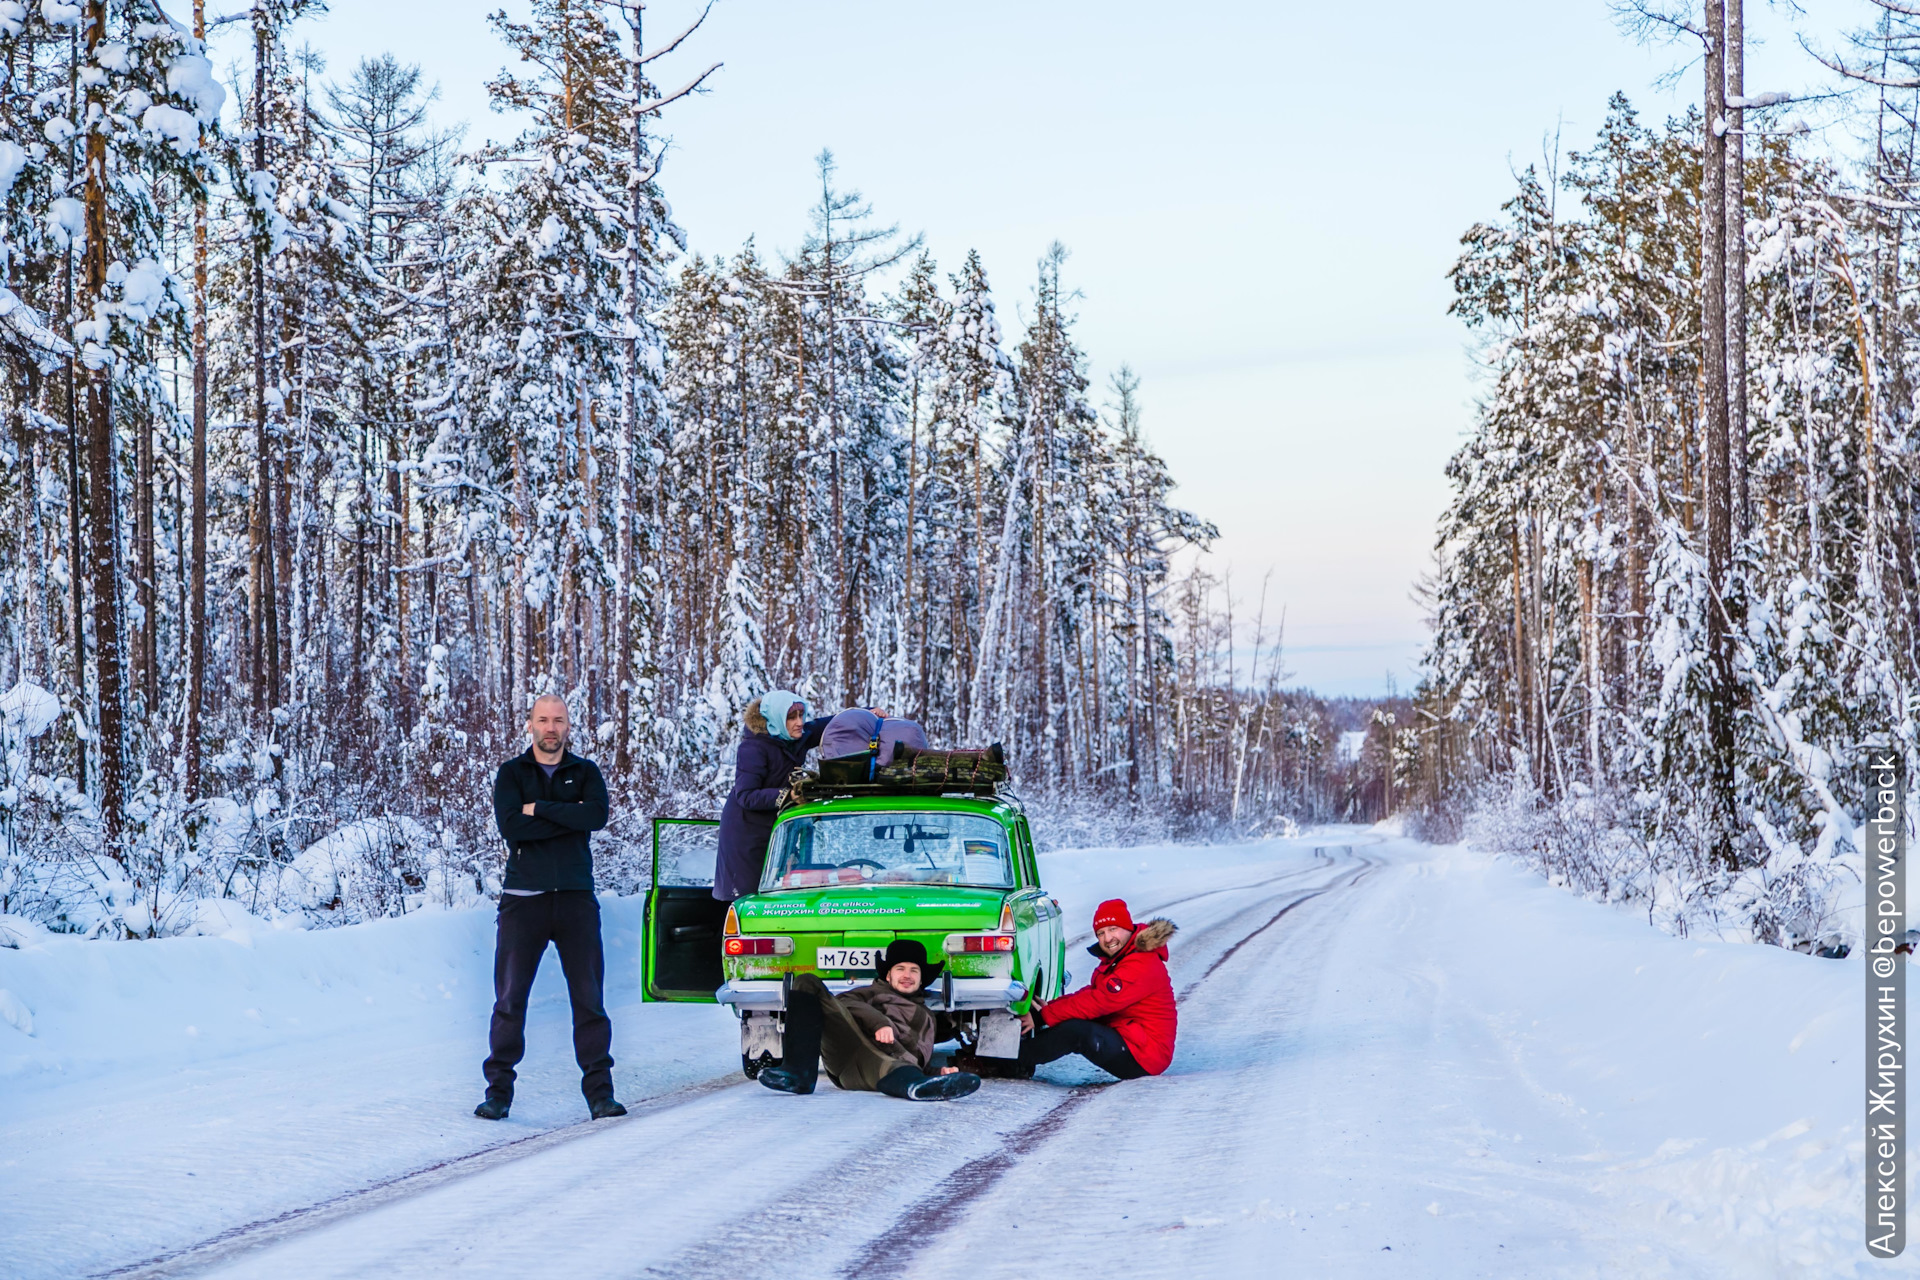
964	943
733	922
759	946
1006	917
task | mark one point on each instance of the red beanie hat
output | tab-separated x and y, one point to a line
1113	912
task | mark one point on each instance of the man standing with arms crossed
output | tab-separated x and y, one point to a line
545	803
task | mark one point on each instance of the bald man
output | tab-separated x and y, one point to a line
545	802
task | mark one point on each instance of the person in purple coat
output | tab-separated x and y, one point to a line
773	744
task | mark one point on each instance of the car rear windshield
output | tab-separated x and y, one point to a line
889	848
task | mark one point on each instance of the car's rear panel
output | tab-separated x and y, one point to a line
869	917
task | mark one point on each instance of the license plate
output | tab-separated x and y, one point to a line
846	957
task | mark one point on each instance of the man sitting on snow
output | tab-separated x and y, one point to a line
879	1036
1123	1021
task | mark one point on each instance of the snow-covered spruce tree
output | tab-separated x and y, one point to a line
853	409
1574	600
1137	650
1067	529
399	392
106	107
587	229
974	404
921	316
739	675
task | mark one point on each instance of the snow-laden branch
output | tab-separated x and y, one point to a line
1643	18
1877	202
1861	74
373	276
428	404
437	562
23	329
654	104
675	43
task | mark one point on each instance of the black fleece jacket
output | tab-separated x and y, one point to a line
548	849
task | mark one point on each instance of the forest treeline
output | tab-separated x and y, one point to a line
1676	592
330	444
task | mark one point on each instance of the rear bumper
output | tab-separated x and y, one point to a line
949	995
955	995
761	994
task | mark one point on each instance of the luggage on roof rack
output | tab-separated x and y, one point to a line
913	773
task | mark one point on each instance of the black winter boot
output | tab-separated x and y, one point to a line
993	1068
944	1088
605	1109
492	1108
786	1080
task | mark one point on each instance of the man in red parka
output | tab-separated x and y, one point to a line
1123	1021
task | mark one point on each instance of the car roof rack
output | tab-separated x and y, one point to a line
804	788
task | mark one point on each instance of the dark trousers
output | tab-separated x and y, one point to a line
800	1046
1097	1042
800	1038
570	919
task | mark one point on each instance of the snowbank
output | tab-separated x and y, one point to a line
234	983
1717	1083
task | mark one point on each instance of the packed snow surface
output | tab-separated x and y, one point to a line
1394	1060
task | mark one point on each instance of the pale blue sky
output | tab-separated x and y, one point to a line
1261	200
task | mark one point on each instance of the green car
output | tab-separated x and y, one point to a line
844	877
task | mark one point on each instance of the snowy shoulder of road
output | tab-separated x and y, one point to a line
1394	1059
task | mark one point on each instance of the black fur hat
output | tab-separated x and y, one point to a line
907	951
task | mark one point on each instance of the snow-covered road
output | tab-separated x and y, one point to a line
1394	1060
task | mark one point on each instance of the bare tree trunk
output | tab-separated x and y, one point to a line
144	654
990	667
843	604
1590	643
108	658
629	425
76	574
914	680
522	657
1736	240
1522	666
269	634
1713	217
38	584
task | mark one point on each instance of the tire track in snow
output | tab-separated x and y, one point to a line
1345	881
807	1227
892	1253
261	1232
1320	852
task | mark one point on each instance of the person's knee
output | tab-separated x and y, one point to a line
808	985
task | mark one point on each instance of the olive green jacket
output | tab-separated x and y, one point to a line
852	1057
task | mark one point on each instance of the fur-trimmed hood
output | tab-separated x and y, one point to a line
1149	939
1154	934
755	722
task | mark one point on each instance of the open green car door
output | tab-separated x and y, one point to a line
680	952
